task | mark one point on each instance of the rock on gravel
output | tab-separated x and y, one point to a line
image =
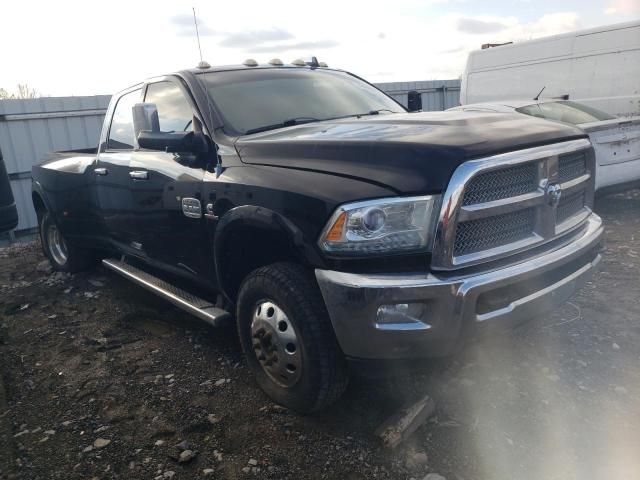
434	476
183	445
101	443
186	456
44	267
417	459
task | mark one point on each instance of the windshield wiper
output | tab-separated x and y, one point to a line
358	115
300	120
377	112
287	123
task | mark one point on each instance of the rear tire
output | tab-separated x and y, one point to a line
288	339
63	256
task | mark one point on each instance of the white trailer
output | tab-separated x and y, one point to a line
599	67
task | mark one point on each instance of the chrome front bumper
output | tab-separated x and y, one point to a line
454	304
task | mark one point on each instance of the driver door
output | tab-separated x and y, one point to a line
169	235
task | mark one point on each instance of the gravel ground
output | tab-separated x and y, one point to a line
100	379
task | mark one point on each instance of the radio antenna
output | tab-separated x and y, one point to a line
195	21
537	97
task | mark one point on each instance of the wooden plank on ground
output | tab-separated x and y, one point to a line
405	421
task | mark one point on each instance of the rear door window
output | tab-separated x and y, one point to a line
121	136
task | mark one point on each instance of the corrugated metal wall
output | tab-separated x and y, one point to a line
436	94
29	129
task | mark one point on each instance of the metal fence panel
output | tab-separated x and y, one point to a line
31	128
436	94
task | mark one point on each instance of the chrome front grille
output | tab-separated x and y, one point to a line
487	233
499	184
501	205
570	206
571	165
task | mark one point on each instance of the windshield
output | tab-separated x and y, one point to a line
253	100
565	111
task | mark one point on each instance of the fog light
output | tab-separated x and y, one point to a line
402	315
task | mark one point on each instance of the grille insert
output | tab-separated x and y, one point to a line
570	206
503	183
486	233
571	166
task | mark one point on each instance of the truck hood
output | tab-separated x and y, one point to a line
407	152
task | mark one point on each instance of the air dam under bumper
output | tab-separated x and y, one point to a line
453	305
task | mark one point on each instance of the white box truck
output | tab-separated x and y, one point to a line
599	67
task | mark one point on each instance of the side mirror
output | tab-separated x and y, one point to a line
145	117
174	142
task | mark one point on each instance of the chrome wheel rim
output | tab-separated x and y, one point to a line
276	344
57	245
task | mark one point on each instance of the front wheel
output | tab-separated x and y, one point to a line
62	256
287	338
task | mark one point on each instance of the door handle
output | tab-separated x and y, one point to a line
139	174
101	171
210	214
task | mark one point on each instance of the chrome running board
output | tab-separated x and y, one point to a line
196	306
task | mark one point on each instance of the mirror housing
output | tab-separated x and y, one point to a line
146	125
173	142
145	117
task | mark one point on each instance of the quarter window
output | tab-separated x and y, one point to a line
121	136
174	112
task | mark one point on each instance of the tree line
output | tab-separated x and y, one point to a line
23	91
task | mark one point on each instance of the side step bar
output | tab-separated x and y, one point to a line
197	306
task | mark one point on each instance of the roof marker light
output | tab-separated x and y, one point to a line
298	62
276	61
250	62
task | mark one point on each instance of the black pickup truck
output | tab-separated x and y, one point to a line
335	227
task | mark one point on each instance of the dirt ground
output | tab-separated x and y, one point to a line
100	379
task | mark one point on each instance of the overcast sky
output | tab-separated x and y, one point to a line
86	47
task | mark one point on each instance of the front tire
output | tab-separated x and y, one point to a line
63	256
288	339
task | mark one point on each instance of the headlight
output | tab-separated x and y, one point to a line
381	226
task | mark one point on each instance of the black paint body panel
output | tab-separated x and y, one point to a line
410	153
